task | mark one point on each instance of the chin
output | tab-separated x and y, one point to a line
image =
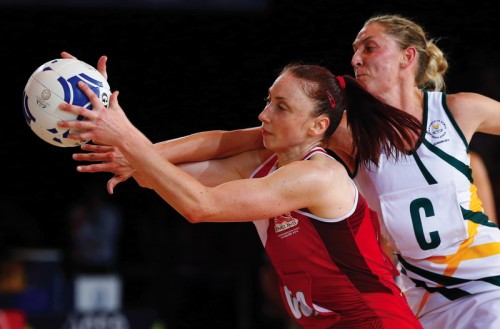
268	146
362	80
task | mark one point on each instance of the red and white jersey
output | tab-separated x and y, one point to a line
332	271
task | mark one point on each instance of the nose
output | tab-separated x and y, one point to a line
356	59
263	116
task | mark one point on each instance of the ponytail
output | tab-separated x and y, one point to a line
377	127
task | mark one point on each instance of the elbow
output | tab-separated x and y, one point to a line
193	219
198	208
197	215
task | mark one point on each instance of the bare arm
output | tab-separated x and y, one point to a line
297	185
192	148
475	113
196	147
483	184
210	145
294	186
217	171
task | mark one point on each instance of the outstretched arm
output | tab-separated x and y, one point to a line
210	145
297	185
195	147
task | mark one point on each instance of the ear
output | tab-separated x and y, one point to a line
320	125
408	56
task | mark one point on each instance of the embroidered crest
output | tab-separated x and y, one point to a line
284	222
437	129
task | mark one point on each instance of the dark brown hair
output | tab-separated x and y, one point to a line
376	126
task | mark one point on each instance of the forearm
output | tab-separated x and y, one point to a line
177	188
210	145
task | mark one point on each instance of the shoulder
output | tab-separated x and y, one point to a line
472	110
325	170
333	190
318	167
465	99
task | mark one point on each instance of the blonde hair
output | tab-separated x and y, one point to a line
432	63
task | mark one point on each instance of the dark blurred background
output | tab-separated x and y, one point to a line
181	66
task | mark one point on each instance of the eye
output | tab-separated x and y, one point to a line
369	49
277	105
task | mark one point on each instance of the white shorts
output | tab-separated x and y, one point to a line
477	311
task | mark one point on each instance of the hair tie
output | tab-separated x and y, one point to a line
341	81
332	100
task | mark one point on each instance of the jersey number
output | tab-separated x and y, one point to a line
415	207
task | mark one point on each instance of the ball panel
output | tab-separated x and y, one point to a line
42	116
28	117
55	136
45	93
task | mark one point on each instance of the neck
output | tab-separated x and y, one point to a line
295	154
409	100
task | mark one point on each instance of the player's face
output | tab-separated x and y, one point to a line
376	60
287	114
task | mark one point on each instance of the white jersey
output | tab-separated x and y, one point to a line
430	212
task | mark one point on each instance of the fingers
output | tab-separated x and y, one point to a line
81	136
110	187
94	156
97	148
113	99
94	99
96	103
101	66
99	167
101	63
78	130
89	114
76	124
113	182
65	54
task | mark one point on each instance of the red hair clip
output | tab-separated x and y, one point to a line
341	81
332	100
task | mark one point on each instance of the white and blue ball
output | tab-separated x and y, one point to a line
52	84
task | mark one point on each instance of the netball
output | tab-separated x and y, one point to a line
53	83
